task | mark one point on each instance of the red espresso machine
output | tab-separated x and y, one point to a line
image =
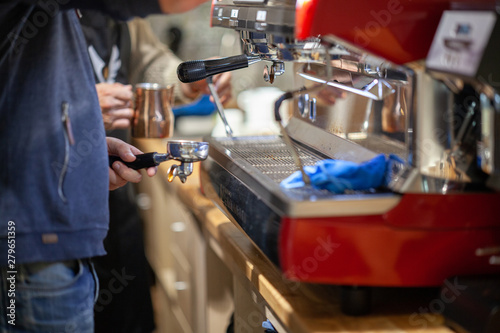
415	79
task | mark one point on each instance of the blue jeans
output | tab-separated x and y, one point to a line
49	297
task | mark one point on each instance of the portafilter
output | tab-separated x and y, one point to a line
185	151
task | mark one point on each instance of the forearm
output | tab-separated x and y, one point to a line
118	9
176	6
122	9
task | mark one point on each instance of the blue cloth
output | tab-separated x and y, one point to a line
269	327
337	176
201	107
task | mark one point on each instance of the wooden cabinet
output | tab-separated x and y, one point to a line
183	263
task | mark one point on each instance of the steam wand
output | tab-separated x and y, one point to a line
277	116
286	137
220	108
191	71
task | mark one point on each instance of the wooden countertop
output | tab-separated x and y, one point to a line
303	308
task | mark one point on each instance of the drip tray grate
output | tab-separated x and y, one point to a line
269	155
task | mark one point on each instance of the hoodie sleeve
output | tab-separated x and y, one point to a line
151	60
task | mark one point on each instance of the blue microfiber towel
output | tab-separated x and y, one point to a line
201	107
337	176
269	327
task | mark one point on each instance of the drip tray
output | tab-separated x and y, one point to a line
242	176
261	163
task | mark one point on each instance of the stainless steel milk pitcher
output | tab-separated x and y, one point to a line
153	115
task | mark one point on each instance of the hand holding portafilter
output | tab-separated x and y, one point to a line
185	151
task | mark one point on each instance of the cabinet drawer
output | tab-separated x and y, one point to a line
183	288
185	233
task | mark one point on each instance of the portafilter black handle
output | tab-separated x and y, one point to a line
195	70
141	161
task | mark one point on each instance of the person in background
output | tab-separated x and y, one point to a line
55	175
123	53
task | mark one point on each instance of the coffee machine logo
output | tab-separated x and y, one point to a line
460	42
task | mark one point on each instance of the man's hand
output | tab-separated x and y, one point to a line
222	83
120	174
115	100
178	6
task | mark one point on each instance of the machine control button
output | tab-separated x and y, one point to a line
260	26
261	15
303	105
312	109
